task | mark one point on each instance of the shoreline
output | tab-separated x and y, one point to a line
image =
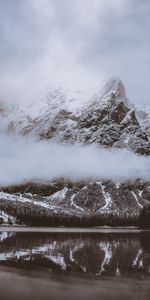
100	229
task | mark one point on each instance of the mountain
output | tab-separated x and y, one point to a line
108	120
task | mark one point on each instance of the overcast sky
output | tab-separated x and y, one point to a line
76	44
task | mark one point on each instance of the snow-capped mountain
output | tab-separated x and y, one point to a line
108	119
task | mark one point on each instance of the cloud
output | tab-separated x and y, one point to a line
76	44
25	160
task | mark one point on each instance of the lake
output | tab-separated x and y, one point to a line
74	264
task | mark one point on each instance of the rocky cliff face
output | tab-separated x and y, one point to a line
108	120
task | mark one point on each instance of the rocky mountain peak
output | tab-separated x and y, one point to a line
116	87
107	120
120	90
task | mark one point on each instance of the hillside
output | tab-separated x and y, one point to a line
107	120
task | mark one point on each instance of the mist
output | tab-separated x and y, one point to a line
25	160
77	44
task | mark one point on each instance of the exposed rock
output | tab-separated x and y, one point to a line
84	198
106	120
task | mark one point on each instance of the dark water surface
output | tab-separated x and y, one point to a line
71	265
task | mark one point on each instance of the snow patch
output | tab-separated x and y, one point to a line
107	198
118	185
136	198
60	195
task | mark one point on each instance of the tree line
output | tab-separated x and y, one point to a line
33	215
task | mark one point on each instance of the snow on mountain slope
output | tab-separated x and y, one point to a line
56	101
38	117
106	119
80	198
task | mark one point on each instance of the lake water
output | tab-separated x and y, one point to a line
105	264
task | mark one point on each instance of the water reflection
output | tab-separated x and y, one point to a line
124	254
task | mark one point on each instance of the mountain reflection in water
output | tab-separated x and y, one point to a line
89	266
124	254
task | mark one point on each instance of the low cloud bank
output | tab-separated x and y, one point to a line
24	160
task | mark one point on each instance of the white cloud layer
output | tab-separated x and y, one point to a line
24	160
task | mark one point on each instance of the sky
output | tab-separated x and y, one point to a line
75	44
